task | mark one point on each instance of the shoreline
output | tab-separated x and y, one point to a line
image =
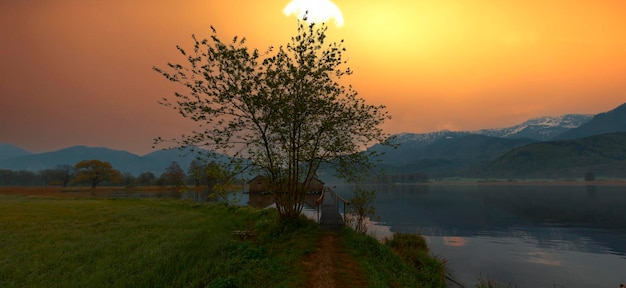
524	182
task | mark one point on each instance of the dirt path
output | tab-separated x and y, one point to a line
330	266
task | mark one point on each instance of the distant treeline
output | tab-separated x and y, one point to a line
197	175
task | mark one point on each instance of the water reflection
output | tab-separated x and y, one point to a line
454	241
542	257
530	235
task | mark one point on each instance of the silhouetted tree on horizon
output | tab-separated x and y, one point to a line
285	110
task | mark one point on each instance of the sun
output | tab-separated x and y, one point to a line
318	11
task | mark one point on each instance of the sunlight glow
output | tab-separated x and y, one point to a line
318	11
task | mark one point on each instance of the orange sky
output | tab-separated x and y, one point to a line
79	71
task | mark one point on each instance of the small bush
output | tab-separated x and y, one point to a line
402	242
413	249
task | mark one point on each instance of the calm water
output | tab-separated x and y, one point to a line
530	236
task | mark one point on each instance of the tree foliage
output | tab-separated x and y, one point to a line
284	109
195	173
173	175
210	175
146	178
95	171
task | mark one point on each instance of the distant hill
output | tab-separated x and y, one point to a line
155	162
612	121
71	156
10	151
466	153
603	155
411	145
447	155
538	129
508	152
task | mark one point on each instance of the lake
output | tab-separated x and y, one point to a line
527	235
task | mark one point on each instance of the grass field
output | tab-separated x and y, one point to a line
47	241
145	243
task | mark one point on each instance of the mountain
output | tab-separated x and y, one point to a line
410	144
71	156
444	154
523	150
542	129
155	162
611	121
10	151
441	153
472	148
602	155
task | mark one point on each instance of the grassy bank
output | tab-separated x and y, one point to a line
86	242
403	261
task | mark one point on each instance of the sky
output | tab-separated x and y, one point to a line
79	72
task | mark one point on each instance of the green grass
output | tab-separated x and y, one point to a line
88	242
403	261
147	243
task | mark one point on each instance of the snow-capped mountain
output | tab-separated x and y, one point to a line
422	139
540	129
448	152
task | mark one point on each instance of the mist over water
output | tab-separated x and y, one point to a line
526	235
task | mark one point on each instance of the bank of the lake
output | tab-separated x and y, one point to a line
93	242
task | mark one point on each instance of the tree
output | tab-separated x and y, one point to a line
146	178
18	178
128	180
360	209
65	173
195	172
48	177
95	171
173	175
60	175
209	175
590	176
284	110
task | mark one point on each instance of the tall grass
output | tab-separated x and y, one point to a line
489	283
147	243
403	261
94	242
